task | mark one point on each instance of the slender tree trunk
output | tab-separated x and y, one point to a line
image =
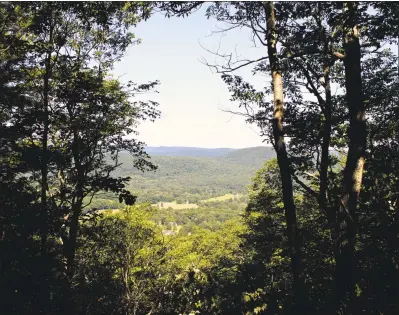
353	173
283	162
77	205
326	131
73	233
44	157
74	225
395	244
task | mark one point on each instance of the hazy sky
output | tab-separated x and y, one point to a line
190	95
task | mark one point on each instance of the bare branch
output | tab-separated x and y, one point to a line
237	113
309	190
229	68
91	199
311	175
230	65
255	31
312	87
224	30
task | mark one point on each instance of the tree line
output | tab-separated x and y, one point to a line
320	230
63	119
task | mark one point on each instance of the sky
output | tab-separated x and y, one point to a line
191	97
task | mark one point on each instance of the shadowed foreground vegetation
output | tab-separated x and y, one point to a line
316	230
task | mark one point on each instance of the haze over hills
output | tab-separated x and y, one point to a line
252	157
187	151
178	160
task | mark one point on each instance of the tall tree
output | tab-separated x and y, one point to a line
46	49
64	35
95	114
353	172
282	156
54	29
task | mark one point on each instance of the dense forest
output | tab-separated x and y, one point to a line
188	175
92	221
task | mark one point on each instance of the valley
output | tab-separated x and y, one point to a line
189	175
93	221
193	189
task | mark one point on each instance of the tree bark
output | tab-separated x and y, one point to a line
326	131
283	162
76	206
44	157
353	172
73	232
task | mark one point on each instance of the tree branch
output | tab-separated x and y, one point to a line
309	190
338	55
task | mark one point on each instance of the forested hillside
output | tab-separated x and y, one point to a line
190	178
95	222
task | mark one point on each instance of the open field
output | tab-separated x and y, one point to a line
180	206
175	206
220	198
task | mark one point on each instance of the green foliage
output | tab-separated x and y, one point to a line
208	216
126	263
194	178
62	116
125	250
64	151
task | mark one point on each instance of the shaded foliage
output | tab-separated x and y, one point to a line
320	230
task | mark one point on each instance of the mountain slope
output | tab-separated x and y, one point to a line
254	157
194	178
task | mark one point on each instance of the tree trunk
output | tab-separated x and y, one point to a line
345	247
283	162
73	230
326	131
76	206
44	157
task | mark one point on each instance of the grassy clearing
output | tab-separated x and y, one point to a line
175	206
108	211
221	198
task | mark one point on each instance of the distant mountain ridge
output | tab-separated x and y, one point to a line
253	157
207	152
187	151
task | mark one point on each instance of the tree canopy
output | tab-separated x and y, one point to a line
315	232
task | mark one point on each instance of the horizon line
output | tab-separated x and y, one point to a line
197	147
